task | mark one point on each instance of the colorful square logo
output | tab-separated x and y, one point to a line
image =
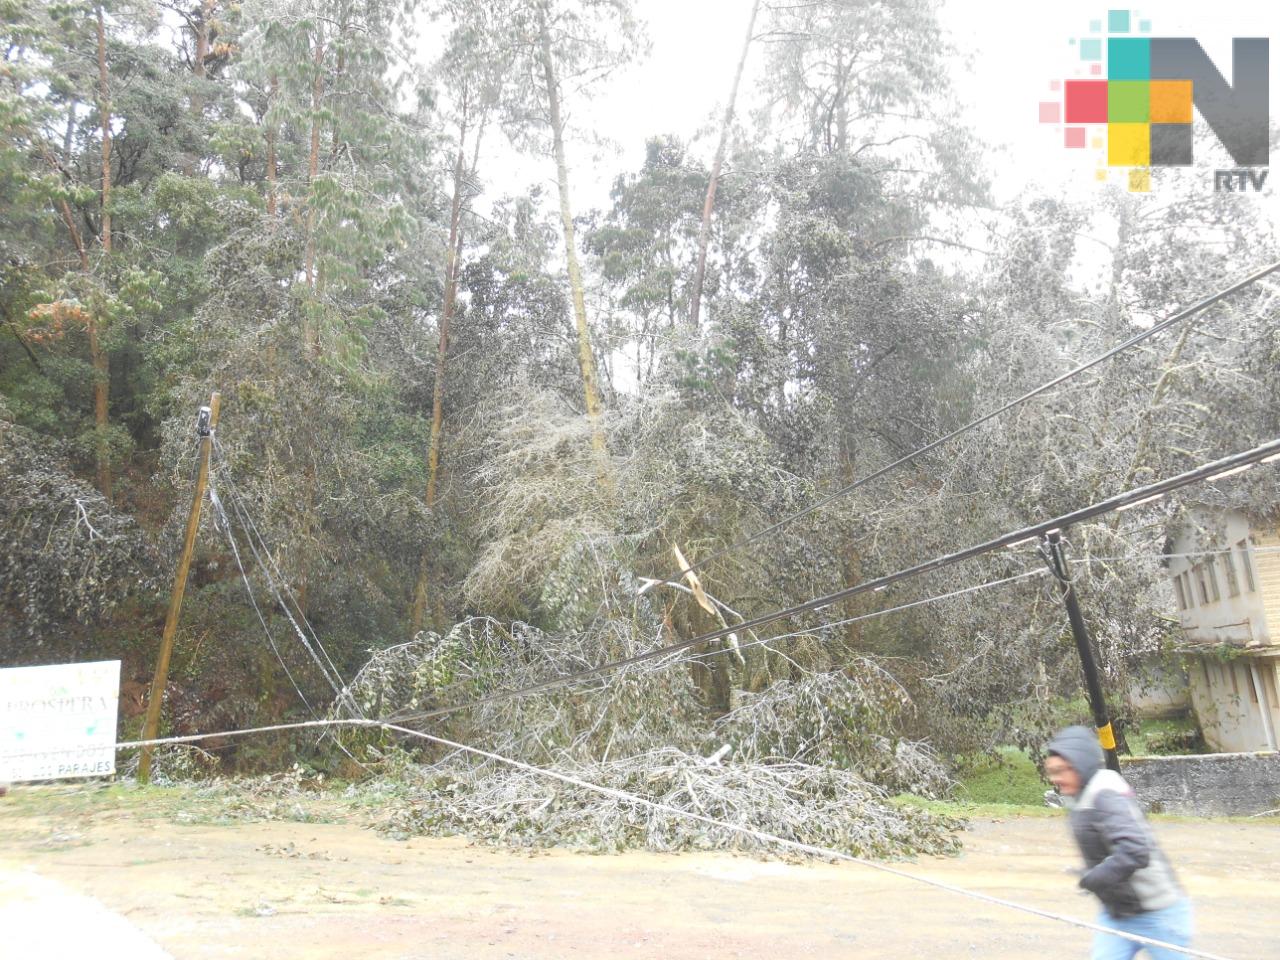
1142	92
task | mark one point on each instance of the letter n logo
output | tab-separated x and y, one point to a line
1237	113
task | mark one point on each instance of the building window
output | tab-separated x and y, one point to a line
1187	591
1235	683
1177	588
1198	569
1233	581
1246	564
1211	573
1253	690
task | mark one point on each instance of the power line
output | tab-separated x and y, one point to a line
223	521
810	849
875	614
1235	463
326	666
252	533
916	454
637	800
221	514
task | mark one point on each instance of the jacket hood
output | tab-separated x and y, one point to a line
1079	746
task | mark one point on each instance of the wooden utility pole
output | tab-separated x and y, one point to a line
205	425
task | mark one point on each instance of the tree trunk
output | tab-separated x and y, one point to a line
704	231
452	257
271	147
104	114
841	104
586	359
101	367
310	334
339	69
308	526
1146	419
69	134
198	68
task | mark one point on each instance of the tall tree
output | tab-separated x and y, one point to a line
59	59
467	68
551	44
704	231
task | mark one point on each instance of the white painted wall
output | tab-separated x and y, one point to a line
1222	696
1158	689
1234	612
1219	582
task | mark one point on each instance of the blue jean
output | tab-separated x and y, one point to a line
1172	925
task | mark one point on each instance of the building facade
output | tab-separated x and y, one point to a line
1224	568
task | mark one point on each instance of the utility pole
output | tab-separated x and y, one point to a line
1055	556
206	423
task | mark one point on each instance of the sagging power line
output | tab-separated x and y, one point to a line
638	800
991	415
1235	463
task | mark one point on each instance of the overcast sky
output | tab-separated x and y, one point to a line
1014	48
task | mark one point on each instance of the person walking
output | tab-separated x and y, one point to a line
1124	867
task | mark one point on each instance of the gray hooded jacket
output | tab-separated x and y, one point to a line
1126	870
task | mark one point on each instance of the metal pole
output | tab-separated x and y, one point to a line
206	423
1055	557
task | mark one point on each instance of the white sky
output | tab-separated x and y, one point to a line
1008	52
1015	47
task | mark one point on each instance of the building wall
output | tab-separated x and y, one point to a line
1227	705
1268	572
1227	588
1159	689
1237	784
1225	579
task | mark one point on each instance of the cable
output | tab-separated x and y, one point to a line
827	626
331	674
758	835
914	455
811	849
898	609
235	552
1266	453
251	529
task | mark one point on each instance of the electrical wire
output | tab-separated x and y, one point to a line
1266	453
221	514
330	672
637	800
251	528
810	849
224	523
933	445
875	614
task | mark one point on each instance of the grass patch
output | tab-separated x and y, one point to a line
1172	736
1007	778
968	810
88	799
1006	784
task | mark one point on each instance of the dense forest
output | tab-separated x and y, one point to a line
461	432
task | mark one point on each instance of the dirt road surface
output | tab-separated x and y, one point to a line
338	890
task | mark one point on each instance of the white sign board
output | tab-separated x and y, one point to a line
59	721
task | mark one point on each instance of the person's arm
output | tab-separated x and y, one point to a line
1126	835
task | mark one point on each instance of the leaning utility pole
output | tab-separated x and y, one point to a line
1051	547
206	423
